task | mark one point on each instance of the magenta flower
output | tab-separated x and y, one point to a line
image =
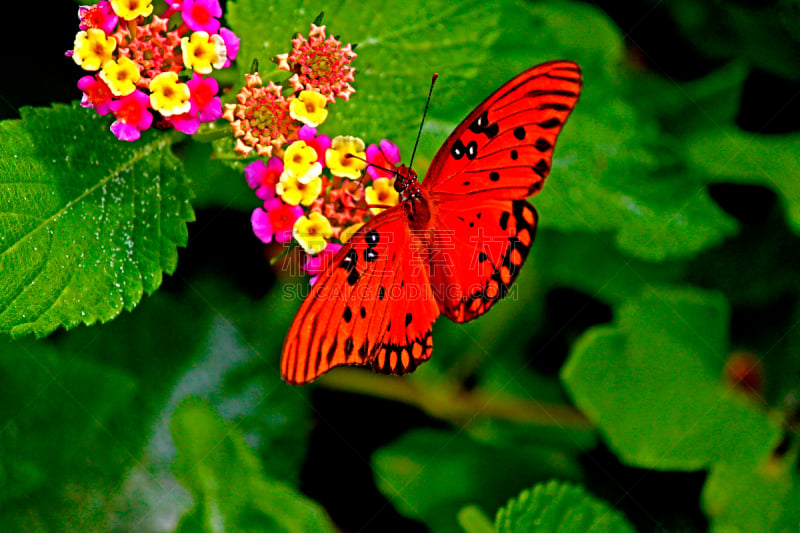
96	94
205	102
205	105
275	220
386	156
263	178
100	16
231	44
316	264
184	123
201	15
132	114
320	143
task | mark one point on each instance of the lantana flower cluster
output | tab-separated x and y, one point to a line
137	61
316	190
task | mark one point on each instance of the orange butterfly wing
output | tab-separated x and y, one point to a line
489	241
372	305
376	304
504	148
499	155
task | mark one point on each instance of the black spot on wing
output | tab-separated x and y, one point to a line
504	219
458	149
541	168
472	150
549	123
373	238
481	125
542	145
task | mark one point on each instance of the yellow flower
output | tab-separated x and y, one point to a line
309	108
294	192
203	53
336	157
381	192
300	160
348	232
168	96
93	49
120	76
312	232
130	9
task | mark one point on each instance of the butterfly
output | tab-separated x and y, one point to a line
453	245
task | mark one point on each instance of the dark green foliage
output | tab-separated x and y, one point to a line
668	242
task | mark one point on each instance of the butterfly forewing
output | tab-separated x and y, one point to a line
505	146
356	311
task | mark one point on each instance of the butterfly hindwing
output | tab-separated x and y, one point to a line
363	293
489	241
506	144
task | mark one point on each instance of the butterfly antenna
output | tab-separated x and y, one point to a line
424	113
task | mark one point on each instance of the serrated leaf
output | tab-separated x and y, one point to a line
88	223
400	46
227	481
558	507
663	361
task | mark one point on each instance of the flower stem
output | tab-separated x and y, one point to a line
212	133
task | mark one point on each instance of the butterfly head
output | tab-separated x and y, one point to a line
405	177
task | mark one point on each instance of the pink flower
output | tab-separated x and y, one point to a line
231	44
387	157
316	264
205	105
275	220
184	123
205	102
201	15
100	16
320	143
96	94
132	114
263	178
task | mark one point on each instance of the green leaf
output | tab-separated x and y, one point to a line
228	483
590	263
60	446
218	349
88	223
558	507
653	385
400	46
728	154
608	175
430	474
764	499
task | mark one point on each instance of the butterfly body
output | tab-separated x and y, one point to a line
453	245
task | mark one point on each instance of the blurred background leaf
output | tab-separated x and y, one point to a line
653	385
